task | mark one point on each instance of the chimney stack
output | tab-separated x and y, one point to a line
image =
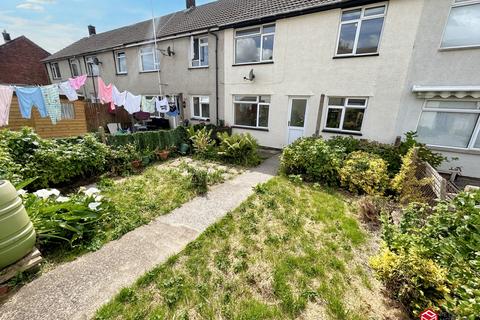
6	36
91	30
190	4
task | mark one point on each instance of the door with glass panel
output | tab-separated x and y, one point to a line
296	118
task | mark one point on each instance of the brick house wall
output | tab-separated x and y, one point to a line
20	62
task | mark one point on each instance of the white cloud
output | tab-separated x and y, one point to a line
50	36
42	1
30	6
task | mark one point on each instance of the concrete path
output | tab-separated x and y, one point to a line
75	290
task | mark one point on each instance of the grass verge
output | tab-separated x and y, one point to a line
287	252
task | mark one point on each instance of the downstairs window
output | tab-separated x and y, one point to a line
345	114
450	123
251	111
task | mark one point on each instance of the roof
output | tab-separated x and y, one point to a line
218	14
22	38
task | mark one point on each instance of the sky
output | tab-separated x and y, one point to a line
54	24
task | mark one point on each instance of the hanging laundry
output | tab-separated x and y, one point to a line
105	93
118	97
52	102
6	93
29	96
78	82
132	103
66	89
162	105
174	111
148	105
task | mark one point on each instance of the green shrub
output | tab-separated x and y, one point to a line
203	145
406	183
199	180
364	173
239	149
120	159
314	159
417	282
446	234
423	153
151	140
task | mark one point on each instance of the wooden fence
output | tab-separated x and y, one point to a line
439	188
98	115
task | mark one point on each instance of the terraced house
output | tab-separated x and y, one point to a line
281	70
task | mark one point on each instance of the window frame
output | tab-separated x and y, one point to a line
56	73
200	117
476	131
456	5
262	26
192	51
258	103
359	27
62	112
156	64
342	116
117	62
90	66
74	61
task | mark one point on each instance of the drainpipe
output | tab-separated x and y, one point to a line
93	79
216	76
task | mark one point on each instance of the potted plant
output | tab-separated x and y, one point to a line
137	164
162	154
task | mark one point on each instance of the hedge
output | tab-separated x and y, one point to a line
150	140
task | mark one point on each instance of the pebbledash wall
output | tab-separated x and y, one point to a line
176	74
305	65
432	66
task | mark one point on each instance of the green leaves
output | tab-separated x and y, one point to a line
239	149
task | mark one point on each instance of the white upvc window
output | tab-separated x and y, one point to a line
149	61
74	67
251	111
201	107
121	62
453	123
254	44
361	30
92	66
55	69
462	29
199	52
345	114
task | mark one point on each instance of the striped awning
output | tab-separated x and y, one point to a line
428	92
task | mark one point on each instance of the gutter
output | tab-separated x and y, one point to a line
216	77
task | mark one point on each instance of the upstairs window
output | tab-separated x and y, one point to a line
360	31
463	25
251	111
254	45
121	62
199	52
149	61
345	114
450	123
55	69
201	107
92	66
74	67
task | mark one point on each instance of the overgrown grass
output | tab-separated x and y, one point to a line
285	251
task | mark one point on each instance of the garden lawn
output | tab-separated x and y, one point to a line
290	250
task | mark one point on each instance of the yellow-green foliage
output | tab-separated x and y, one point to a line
415	281
406	183
363	172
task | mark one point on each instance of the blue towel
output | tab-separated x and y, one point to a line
29	96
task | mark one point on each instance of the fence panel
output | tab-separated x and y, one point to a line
97	115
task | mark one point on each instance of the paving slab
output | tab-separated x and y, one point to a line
75	290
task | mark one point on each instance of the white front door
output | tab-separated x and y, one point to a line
296	118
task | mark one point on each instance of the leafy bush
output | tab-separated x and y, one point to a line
199	180
312	158
58	219
120	159
406	183
203	145
364	173
447	235
417	282
239	149
151	140
424	154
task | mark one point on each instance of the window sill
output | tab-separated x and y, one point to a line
251	128
446	49
356	56
149	71
342	132
251	63
200	119
455	150
202	67
122	74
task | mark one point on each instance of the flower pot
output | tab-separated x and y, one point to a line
136	164
17	236
163	154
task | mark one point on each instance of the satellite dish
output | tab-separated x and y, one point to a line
250	77
170	52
